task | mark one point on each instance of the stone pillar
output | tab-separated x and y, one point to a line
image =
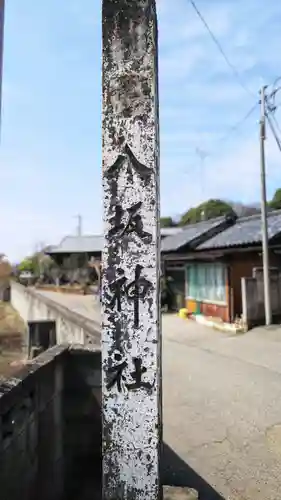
131	340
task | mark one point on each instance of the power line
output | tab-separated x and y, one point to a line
271	107
239	123
232	130
271	97
220	48
273	93
275	122
204	154
268	116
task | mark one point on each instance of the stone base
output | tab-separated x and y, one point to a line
92	492
178	493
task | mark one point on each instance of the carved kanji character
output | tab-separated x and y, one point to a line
133	223
137	377
132	165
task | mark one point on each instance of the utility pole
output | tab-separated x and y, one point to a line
264	230
79	225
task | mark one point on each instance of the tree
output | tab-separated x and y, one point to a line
245	210
275	203
38	264
205	211
26	265
167	222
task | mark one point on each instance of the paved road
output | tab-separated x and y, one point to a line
222	408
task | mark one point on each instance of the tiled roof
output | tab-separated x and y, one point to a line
246	230
77	244
93	243
191	233
169	231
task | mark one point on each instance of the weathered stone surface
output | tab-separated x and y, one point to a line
131	319
178	493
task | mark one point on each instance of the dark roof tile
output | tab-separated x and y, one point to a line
246	231
190	233
170	231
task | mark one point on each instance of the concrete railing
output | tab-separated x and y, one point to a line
71	327
50	426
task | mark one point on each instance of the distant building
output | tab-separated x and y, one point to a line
83	247
87	247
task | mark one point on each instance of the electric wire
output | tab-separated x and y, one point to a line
269	119
273	117
271	108
221	50
236	127
204	154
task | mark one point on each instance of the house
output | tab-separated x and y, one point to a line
214	279
212	270
179	250
204	261
82	247
170	231
89	246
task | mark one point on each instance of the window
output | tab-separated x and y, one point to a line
206	282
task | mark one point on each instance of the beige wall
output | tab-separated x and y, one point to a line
71	328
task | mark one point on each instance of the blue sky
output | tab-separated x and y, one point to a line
50	150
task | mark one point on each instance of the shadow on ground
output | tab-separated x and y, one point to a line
176	472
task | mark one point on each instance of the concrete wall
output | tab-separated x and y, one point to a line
253	312
71	328
241	266
82	424
50	426
5	292
31	410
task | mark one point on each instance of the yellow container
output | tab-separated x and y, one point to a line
183	313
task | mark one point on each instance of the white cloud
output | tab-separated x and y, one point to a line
228	175
211	100
50	159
